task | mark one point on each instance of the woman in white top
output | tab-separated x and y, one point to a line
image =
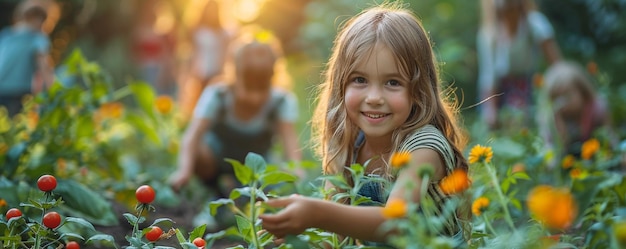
512	36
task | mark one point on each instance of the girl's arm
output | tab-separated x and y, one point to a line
188	152
360	222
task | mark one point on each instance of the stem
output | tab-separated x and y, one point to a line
423	193
501	198
489	227
253	216
142	207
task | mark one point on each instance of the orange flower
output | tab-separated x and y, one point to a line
568	161
592	68
3	203
164	104
456	182
589	148
395	208
480	154
480	205
32	119
111	110
575	173
518	167
3	148
400	159
554	208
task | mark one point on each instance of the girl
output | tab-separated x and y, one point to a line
232	120
381	95
576	108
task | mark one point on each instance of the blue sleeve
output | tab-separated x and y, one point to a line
42	43
288	109
540	27
207	105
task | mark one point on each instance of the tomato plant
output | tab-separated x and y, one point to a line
154	233
199	242
72	245
47	183
145	194
52	220
13	212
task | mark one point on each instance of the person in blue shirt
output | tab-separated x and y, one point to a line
24	66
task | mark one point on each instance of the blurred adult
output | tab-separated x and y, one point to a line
511	39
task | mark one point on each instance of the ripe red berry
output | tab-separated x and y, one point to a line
154	233
47	183
13	212
145	194
199	242
72	245
52	220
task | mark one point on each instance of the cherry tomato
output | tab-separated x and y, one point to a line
199	242
13	212
52	220
72	245
47	183
145	194
154	233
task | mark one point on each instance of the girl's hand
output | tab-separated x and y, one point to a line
179	179
298	214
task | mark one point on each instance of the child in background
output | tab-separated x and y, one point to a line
381	95
24	57
576	108
231	120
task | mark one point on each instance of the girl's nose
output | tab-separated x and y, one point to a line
374	96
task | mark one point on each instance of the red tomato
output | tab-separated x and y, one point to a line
154	233
199	242
47	183
52	220
13	212
72	245
145	194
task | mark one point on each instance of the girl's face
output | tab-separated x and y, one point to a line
377	95
567	100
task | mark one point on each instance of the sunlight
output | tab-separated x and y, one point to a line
247	10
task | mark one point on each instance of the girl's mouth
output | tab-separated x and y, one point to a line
375	116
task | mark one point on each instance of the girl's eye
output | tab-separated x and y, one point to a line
394	83
359	80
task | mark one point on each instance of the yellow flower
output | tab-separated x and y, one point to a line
568	161
456	182
554	208
538	80
3	203
480	154
400	159
589	148
164	104
480	205
395	208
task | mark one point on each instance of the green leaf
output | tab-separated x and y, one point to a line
146	129
101	239
84	127
197	232
214	205
180	236
167	221
243	173
244	227
256	163
238	192
275	177
72	235
82	222
84	203
132	219
144	94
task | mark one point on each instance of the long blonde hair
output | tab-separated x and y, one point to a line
403	34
